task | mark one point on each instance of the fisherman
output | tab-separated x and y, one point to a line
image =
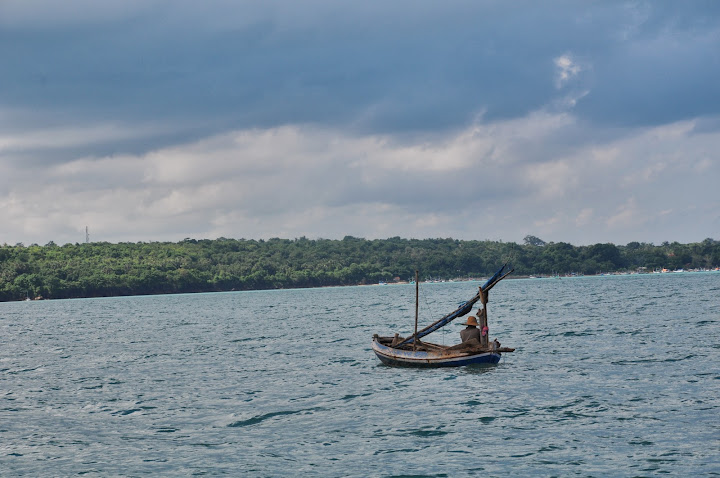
471	331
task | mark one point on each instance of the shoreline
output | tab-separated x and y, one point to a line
398	283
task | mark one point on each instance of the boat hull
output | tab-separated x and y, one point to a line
425	359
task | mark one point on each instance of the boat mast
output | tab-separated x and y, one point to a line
484	297
417	293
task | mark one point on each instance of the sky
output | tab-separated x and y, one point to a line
160	120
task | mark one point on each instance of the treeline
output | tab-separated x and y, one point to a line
105	269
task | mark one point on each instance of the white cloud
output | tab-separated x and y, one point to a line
626	215
704	164
68	137
607	156
584	217
547	224
552	179
570	100
566	69
490	180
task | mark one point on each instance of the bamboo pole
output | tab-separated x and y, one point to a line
484	297
417	302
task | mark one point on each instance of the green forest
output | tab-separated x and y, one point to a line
99	269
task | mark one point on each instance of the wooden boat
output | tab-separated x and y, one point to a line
411	352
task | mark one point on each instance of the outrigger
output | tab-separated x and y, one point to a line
411	352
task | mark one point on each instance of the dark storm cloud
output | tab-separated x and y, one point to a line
376	66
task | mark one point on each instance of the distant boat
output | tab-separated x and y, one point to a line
411	352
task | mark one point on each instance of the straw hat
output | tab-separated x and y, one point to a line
471	321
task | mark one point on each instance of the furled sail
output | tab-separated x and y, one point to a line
460	311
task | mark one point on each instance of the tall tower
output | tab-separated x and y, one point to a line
87	235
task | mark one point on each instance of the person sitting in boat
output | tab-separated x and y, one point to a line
471	331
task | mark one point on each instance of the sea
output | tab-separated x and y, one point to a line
611	376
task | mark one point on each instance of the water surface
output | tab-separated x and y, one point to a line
612	376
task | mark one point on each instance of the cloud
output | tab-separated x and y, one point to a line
292	181
375	67
163	120
552	179
584	217
567	69
73	137
626	215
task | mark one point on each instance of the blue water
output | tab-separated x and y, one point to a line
612	376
